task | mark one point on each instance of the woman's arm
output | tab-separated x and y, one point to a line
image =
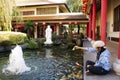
77	47
89	49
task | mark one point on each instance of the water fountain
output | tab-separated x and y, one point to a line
16	64
48	35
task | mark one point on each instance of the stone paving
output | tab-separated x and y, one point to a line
113	48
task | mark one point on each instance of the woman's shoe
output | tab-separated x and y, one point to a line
88	73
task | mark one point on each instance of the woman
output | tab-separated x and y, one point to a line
102	64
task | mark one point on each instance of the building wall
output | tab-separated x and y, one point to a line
50	8
44	10
112	4
110	33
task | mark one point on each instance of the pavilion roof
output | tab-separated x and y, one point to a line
64	17
32	2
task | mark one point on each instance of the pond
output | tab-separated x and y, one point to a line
55	63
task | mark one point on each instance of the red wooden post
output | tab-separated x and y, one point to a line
94	19
103	20
87	29
54	28
90	24
119	47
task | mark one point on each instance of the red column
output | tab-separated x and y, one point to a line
94	20
90	24
103	20
87	29
119	47
54	28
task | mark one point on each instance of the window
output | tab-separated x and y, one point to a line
116	18
28	12
60	10
49	10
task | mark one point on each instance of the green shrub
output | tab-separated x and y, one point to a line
69	38
40	42
32	44
6	43
18	39
13	37
56	40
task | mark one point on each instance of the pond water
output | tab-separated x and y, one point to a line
56	63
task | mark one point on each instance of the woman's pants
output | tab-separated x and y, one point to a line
95	69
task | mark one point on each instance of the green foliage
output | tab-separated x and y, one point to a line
32	44
13	37
29	25
73	26
6	11
6	43
69	38
56	40
17	16
75	5
40	42
18	39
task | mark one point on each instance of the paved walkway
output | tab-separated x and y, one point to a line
113	47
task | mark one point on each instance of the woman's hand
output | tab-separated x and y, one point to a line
75	47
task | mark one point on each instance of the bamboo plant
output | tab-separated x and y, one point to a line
7	7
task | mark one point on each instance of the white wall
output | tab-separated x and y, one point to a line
111	5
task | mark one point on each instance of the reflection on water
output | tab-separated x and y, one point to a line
48	53
48	64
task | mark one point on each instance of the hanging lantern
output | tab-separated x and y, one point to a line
84	7
70	23
44	23
84	11
36	23
60	23
76	23
84	1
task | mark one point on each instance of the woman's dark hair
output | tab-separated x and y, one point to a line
99	53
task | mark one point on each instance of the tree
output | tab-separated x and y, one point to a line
6	14
75	5
29	27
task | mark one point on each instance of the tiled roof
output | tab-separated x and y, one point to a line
62	17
